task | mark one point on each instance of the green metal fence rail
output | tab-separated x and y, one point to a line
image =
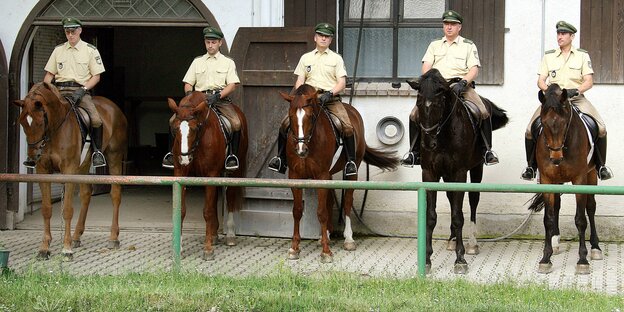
420	187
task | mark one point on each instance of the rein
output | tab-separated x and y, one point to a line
438	127
565	135
200	132
308	138
47	133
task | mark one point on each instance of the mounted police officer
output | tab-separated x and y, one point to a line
75	67
457	60
324	70
571	69
215	75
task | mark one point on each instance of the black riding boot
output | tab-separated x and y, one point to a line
167	161
604	172
486	133
97	158
350	167
531	169
278	163
413	156
231	162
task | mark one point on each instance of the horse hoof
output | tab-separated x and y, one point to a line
68	256
427	269
230	240
43	255
208	256
326	258
556	250
460	268
293	254
113	244
349	246
450	245
596	254
545	268
75	243
472	250
215	241
582	269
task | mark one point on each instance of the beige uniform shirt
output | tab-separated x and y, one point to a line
211	72
566	73
321	70
453	59
78	63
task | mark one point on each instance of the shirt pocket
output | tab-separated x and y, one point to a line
221	75
576	69
459	63
200	74
82	67
329	66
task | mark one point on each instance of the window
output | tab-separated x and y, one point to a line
602	35
396	34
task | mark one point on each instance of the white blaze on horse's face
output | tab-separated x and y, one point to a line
29	120
300	134
184	145
428	103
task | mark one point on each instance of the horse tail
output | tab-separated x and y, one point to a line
384	160
499	118
537	202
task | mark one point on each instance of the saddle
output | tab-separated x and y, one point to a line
84	120
336	125
225	125
590	125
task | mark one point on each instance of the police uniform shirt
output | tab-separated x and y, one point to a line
566	73
321	69
78	63
209	72
454	59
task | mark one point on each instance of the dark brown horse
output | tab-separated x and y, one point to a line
54	142
311	146
450	148
562	156
199	149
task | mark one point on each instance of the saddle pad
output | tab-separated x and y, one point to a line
592	129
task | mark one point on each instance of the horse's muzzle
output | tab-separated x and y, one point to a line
302	150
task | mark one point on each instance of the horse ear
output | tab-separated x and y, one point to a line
414	83
541	97
172	105
200	107
19	103
286	97
564	95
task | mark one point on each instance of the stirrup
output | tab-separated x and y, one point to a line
29	163
277	165
350	168
493	158
605	173
98	159
410	160
528	174
231	162
167	161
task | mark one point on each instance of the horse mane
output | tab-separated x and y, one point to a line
554	99
305	89
47	91
430	84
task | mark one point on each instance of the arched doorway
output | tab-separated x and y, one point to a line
140	42
4	86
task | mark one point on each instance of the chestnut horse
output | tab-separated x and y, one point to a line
54	142
562	156
450	148
311	146
199	149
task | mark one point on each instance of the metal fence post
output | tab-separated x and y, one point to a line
422	231
177	225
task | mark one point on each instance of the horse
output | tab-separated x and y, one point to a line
311	145
54	142
450	148
562	156
199	149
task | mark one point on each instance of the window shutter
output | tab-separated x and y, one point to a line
484	23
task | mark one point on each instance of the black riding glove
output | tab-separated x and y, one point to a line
77	95
326	97
572	93
211	99
187	93
459	87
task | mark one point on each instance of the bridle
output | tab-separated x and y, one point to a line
200	126
438	127
40	144
305	139
565	135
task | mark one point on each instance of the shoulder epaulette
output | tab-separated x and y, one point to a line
62	44
550	51
91	46
227	57
582	50
468	41
199	56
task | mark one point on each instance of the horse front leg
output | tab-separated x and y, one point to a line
234	197
68	214
293	252
113	240
457	219
476	175
212	221
556	233
545	265
451	243
432	218
46	213
596	252
582	266
349	242
323	216
85	199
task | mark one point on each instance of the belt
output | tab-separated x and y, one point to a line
68	84
211	91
